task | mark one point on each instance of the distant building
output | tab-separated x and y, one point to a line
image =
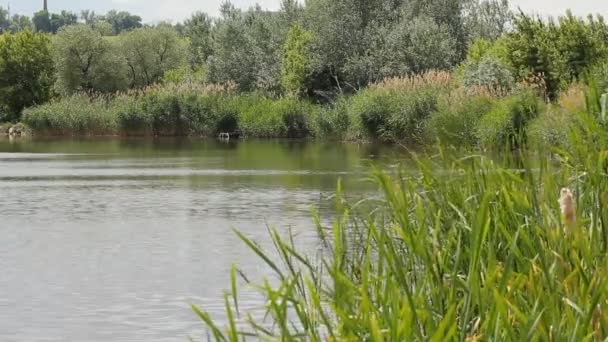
46	6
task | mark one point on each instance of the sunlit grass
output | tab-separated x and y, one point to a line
464	249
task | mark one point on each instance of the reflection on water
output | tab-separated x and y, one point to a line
113	239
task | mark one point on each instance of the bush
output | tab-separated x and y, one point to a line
396	109
505	125
600	73
174	110
4	127
565	124
490	73
283	118
332	122
455	120
74	115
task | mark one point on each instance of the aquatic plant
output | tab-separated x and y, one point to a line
474	251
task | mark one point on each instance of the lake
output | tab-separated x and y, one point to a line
114	239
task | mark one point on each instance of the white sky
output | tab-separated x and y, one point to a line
177	10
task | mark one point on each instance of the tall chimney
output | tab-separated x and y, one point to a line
46	6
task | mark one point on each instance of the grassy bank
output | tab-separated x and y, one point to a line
420	109
462	249
394	110
184	110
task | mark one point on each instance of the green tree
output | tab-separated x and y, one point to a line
559	52
89	17
297	61
5	21
488	19
248	49
65	18
150	53
581	42
86	61
20	23
338	28
198	29
26	72
122	21
42	21
447	14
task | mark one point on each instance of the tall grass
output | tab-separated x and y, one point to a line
396	109
464	249
74	115
476	251
457	116
174	110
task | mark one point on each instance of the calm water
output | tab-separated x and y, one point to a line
112	240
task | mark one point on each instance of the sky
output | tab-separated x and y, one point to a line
177	10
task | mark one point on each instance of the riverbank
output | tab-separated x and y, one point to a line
418	110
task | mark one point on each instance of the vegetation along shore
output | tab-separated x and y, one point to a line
467	73
462	249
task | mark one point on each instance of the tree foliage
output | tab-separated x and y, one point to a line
198	28
26	72
42	21
86	61
297	61
558	52
122	21
149	53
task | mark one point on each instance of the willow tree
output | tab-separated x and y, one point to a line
86	61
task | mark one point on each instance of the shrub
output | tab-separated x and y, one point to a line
176	110
283	118
332	122
572	120
505	125
490	73
396	109
4	127
457	116
131	116
73	115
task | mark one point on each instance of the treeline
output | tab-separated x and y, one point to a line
323	55
114	22
319	50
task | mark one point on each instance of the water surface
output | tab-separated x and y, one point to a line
113	239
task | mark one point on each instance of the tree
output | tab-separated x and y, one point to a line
558	52
447	14
5	21
198	29
580	42
65	18
232	58
339	35
488	19
297	61
42	21
20	23
429	46
150	53
89	17
122	21
85	61
26	72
